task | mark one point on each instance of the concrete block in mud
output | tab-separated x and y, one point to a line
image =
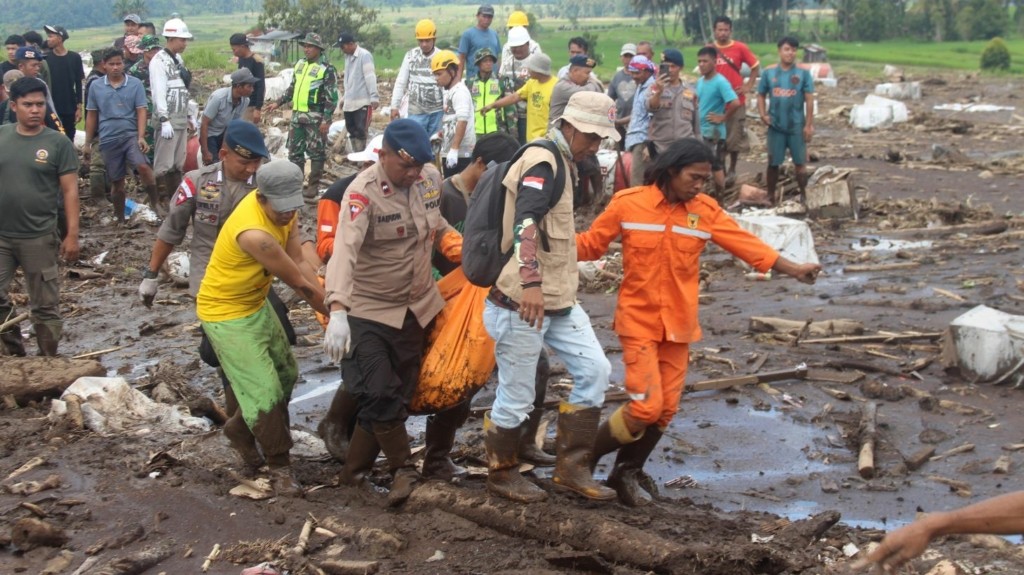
877	112
988	343
830	194
899	90
792	238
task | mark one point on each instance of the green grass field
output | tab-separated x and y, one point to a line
210	48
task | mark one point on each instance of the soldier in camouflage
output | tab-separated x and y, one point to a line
314	95
150	45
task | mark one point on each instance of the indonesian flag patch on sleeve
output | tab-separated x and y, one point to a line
186	191
533	182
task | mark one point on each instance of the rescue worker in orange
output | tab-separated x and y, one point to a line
664	226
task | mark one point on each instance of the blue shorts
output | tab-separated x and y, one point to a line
779	142
118	155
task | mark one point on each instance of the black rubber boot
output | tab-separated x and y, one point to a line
46	340
529	448
503	477
634	487
362	453
311	192
338	424
11	338
613	434
440	439
394	442
577	429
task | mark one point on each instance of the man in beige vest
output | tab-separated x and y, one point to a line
534	303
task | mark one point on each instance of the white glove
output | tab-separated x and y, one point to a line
166	130
147	290
338	336
452	158
192	124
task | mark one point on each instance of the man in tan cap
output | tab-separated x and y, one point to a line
536	93
533	303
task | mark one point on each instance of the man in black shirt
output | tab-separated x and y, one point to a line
254	62
13	42
66	75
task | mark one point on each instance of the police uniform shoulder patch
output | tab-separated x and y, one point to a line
357	203
186	191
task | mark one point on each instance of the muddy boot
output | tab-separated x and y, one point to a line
152	196
46	339
440	438
577	428
614	433
312	190
243	442
503	477
362	453
529	450
11	338
358	144
634	487
282	477
336	426
394	442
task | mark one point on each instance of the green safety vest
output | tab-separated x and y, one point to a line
485	92
309	78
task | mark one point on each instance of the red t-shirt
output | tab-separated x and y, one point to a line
739	54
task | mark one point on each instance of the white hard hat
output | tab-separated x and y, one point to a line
176	28
517	36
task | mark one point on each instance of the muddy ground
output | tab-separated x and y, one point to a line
759	474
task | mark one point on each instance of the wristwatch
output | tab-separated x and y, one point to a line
148	274
163	119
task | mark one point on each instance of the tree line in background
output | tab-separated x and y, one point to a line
684	22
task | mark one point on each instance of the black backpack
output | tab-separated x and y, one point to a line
482	258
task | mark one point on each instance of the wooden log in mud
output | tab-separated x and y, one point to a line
986	228
587	530
868	433
826	328
31	378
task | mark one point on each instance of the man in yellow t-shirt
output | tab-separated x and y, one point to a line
536	93
258	242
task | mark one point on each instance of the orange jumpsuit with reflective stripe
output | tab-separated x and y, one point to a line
656	316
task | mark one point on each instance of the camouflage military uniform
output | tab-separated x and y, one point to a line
141	71
305	138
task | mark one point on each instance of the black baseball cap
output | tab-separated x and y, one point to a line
239	39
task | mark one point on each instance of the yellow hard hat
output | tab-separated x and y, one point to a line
442	60
518	18
426	30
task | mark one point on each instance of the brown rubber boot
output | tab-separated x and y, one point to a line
243	442
312	190
336	426
503	477
529	450
394	442
362	453
634	487
613	434
440	438
11	339
46	340
577	428
282	477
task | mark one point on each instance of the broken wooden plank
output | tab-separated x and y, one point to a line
860	268
961	488
830	376
879	338
867	433
832	327
919	458
1002	465
986	228
955	451
799	372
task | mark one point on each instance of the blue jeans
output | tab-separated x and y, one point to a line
431	122
517	347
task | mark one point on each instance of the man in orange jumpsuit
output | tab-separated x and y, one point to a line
664	226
